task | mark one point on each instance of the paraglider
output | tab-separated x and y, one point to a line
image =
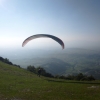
43	35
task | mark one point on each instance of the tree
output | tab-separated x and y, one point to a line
70	77
91	78
1	59
31	69
79	76
7	61
35	70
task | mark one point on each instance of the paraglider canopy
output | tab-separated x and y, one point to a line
43	35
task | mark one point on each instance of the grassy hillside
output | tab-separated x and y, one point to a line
19	84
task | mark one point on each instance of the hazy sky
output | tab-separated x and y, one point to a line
76	22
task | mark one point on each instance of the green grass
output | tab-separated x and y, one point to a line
19	84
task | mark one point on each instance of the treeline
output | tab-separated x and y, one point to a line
79	77
5	60
43	71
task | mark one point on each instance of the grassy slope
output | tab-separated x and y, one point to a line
19	84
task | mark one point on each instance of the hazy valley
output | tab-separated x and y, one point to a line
64	62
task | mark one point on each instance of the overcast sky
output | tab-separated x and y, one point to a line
76	22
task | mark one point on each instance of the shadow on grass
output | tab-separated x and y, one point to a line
68	81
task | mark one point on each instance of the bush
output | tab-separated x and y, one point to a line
35	70
91	78
79	77
31	69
